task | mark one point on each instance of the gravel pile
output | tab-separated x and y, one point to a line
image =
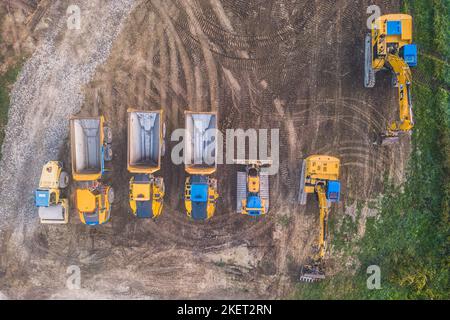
46	94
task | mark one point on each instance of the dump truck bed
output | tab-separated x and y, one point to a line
86	135
200	142
144	141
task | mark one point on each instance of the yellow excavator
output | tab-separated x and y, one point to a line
320	175
146	132
389	46
200	191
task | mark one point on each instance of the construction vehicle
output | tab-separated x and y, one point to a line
91	151
145	147
252	188
52	207
200	194
320	175
389	46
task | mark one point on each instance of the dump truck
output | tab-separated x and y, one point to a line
319	175
91	150
53	208
146	132
390	47
252	188
200	195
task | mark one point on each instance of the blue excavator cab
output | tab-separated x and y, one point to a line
333	191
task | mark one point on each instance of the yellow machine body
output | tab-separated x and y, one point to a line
200	191
200	197
145	148
52	207
318	174
146	197
386	48
94	204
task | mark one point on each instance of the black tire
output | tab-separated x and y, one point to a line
111	195
108	134
63	180
108	153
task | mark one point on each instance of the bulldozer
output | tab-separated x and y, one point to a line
252	188
390	47
91	150
52	207
146	132
200	192
320	175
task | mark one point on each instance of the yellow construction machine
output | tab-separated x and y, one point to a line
320	175
200	194
389	46
252	188
53	208
91	150
146	132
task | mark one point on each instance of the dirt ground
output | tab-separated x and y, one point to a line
296	65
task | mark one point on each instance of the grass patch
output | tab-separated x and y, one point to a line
284	221
409	238
6	81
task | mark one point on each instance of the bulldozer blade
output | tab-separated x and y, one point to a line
259	163
302	195
369	73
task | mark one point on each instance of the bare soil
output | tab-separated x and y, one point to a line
296	65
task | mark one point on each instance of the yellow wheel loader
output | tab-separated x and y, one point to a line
320	175
389	46
200	192
146	132
252	188
52	207
91	150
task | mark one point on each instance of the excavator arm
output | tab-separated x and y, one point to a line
403	77
324	211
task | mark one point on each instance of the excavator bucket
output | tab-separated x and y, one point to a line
311	274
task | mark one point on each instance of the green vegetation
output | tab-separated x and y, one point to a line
409	239
6	81
284	220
